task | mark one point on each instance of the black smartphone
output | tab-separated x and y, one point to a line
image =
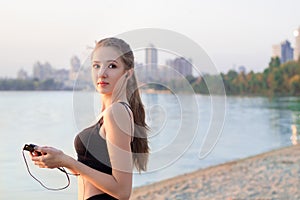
30	148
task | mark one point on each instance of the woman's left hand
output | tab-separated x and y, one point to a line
50	158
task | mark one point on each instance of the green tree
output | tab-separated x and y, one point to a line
274	63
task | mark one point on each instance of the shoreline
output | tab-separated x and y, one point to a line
273	174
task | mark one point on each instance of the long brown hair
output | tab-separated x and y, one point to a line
139	145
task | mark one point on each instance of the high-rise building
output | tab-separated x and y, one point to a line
61	75
297	44
22	74
286	51
151	62
75	66
181	67
276	51
42	71
283	51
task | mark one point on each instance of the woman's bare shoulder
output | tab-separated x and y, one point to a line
118	111
118	115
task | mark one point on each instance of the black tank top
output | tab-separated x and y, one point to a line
91	148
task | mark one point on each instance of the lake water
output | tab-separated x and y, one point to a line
178	126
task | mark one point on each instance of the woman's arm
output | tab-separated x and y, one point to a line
118	137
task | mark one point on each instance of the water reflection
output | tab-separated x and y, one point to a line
285	111
294	138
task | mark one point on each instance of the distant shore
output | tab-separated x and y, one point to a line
153	91
271	175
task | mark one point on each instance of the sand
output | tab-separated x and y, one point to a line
271	175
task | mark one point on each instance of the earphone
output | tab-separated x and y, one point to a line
127	75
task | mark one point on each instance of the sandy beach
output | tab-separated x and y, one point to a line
271	175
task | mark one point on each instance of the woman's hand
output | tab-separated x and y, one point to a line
50	158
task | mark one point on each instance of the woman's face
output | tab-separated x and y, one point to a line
107	68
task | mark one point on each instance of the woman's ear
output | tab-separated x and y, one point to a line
129	73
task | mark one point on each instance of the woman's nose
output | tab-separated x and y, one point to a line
102	72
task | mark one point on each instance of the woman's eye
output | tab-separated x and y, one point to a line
96	66
111	66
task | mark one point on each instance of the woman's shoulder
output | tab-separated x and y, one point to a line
118	111
117	117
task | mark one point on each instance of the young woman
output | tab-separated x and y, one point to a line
108	150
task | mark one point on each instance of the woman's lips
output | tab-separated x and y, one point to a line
102	83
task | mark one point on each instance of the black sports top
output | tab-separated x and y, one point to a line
91	148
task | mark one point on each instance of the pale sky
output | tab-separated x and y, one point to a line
232	32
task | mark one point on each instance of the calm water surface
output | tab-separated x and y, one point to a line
252	126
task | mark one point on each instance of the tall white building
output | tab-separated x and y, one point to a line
151	62
74	68
42	71
276	51
297	44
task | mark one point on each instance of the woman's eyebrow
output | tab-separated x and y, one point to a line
112	61
97	61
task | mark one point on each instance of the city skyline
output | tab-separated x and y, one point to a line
78	75
172	68
151	60
233	33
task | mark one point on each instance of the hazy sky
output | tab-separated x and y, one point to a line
232	32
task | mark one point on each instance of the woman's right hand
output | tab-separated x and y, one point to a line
48	157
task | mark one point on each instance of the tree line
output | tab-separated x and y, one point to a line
30	84
276	80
